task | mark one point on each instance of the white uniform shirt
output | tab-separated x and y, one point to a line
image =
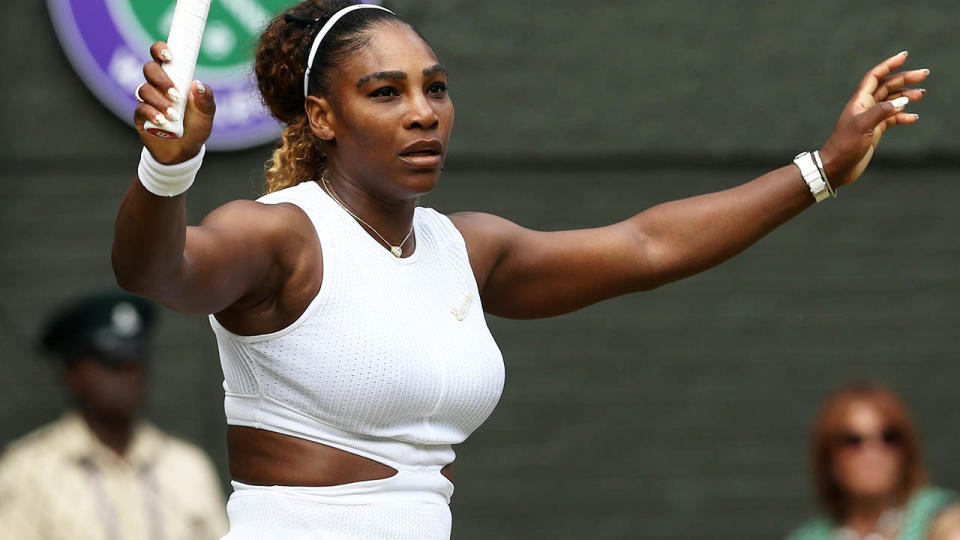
61	482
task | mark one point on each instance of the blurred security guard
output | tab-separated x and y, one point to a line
99	472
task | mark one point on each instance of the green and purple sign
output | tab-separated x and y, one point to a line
108	41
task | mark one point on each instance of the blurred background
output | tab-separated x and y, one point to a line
679	413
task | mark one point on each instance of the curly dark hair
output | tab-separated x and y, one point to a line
279	64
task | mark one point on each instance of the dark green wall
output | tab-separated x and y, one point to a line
679	413
581	79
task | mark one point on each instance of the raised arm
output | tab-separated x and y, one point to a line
524	273
236	254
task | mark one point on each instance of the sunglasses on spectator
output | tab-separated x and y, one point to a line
888	437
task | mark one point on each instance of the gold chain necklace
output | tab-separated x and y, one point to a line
396	250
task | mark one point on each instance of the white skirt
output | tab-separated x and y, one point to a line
410	505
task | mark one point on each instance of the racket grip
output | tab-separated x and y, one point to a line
186	35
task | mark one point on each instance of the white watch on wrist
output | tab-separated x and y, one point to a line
811	175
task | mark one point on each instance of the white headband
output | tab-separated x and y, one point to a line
324	31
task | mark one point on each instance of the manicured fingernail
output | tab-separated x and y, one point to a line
173	94
159	119
925	71
165	54
173	114
900	102
916	117
201	88
902	53
922	90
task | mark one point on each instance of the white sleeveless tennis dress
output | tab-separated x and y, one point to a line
392	360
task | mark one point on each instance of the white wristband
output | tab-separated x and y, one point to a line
823	173
168	180
812	176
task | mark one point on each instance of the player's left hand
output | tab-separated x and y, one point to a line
867	116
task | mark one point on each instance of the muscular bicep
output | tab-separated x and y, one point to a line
235	255
523	273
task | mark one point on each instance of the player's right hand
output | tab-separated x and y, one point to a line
197	120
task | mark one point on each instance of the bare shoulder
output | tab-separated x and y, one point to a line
267	252
259	218
479	220
481	227
282	229
487	237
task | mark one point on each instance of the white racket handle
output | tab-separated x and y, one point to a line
186	34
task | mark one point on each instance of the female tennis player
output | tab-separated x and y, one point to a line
349	319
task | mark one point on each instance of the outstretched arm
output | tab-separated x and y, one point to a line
524	274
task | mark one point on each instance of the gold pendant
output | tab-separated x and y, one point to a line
397	251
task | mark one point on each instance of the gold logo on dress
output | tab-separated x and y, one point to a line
461	313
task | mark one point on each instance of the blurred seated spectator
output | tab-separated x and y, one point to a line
869	474
99	472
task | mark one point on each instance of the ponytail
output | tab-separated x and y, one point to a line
298	157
